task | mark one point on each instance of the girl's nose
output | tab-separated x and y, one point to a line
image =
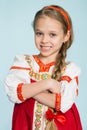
45	39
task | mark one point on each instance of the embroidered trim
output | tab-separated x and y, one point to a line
67	78
33	74
39	76
58	102
28	59
77	91
18	67
19	92
38	115
39	107
77	81
43	67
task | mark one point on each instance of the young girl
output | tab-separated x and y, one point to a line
44	86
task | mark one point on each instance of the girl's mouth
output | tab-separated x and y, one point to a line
45	48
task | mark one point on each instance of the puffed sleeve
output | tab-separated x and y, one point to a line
69	89
16	75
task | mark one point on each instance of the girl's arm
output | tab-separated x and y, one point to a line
46	98
18	84
28	90
38	88
69	89
68	95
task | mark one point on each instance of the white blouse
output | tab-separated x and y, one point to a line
20	73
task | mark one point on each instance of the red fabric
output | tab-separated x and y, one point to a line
23	117
59	116
73	121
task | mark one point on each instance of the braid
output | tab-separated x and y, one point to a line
60	62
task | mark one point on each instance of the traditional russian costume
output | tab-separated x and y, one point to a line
31	114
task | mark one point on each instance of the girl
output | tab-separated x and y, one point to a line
44	86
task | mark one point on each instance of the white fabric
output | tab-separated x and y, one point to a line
16	76
68	90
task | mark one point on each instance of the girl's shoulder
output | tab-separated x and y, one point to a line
71	69
22	59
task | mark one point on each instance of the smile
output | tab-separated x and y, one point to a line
45	47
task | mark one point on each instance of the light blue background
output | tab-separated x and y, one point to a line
16	37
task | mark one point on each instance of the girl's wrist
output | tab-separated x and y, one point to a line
46	84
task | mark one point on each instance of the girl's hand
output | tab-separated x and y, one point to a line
53	85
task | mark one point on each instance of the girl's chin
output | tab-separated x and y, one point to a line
45	54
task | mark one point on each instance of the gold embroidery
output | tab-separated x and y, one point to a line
39	107
38	76
38	115
28	59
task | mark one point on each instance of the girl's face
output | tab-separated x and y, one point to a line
49	37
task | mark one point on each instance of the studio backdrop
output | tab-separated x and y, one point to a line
17	37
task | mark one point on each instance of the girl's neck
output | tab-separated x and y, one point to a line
46	59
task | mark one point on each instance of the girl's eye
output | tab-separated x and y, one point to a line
38	33
52	34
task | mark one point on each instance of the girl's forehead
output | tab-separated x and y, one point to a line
48	22
45	17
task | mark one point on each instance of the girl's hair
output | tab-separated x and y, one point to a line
58	13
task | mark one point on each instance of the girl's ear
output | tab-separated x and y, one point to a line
67	36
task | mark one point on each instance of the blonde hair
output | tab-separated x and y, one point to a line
58	13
